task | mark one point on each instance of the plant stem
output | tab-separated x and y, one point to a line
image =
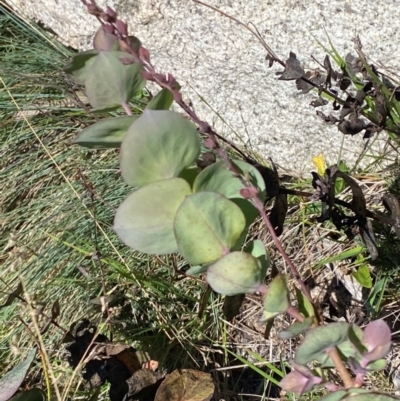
339	365
292	311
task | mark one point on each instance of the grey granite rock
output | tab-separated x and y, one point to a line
218	60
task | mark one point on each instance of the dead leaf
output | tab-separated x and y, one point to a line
367	234
143	385
131	358
270	60
380	106
278	213
392	204
292	70
271	179
11	297
313	76
55	310
319	102
351	126
186	385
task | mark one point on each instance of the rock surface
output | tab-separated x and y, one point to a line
223	69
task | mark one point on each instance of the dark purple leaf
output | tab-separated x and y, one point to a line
377	339
11	297
270	60
292	70
300	380
367	234
313	76
391	203
278	213
319	102
328	119
351	126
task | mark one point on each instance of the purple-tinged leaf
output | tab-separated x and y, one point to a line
105	41
144	54
377	339
300	380
122	27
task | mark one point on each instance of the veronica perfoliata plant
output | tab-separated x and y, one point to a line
175	206
190	197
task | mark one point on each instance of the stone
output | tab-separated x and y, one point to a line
223	70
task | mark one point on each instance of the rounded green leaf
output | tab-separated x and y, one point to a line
11	381
162	101
193	270
335	396
370	396
318	340
207	225
158	145
34	394
107	133
257	249
296	329
235	273
277	298
144	221
379	364
79	65
217	178
109	83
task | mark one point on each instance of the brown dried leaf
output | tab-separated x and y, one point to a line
186	385
380	107
132	359
143	385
